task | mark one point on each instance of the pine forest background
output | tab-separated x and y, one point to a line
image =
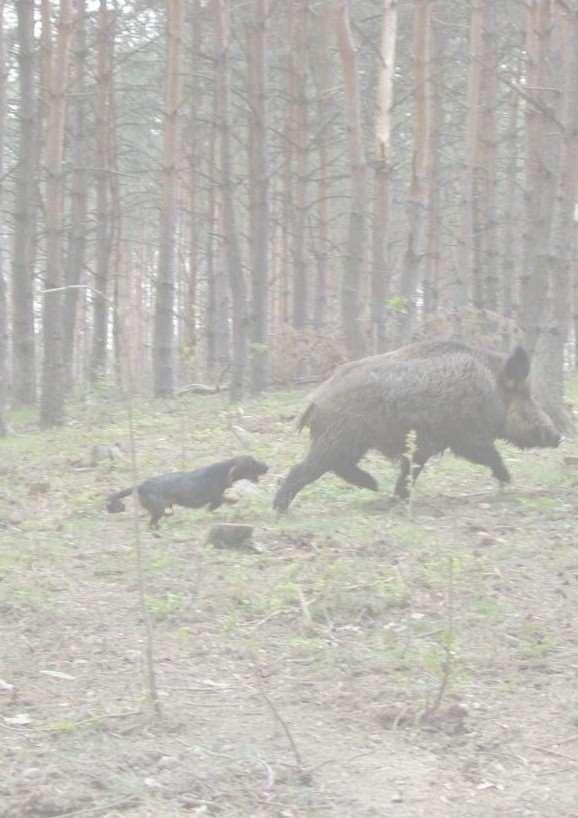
248	192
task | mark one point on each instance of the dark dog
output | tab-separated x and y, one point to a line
192	489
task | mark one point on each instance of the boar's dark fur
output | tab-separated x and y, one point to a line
450	394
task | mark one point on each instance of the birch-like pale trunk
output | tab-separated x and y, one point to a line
380	274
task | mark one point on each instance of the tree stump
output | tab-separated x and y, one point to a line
232	535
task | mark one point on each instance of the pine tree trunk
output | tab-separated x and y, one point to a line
100	295
299	138
231	240
322	77
53	380
354	252
191	311
24	343
76	251
164	356
509	233
417	195
542	156
550	350
433	256
259	196
4	379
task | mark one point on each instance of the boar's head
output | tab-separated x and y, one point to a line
526	425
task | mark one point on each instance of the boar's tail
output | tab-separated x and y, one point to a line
305	417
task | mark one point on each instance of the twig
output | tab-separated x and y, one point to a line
277	715
448	646
554	753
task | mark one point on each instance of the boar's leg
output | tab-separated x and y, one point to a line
485	454
301	475
356	476
330	452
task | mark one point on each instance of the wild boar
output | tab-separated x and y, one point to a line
451	395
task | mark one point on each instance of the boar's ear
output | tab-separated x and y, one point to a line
517	367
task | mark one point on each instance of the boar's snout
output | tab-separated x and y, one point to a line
543	436
548	434
530	427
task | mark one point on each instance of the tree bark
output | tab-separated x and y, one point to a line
380	279
298	135
24	342
433	241
553	340
195	136
231	240
321	71
354	252
52	408
4	383
542	155
258	195
100	294
417	195
164	356
76	251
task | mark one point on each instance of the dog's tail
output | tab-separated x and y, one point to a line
113	504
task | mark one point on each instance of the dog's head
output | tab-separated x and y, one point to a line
246	467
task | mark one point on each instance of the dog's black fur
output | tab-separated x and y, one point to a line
192	489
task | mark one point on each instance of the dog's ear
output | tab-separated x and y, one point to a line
233	474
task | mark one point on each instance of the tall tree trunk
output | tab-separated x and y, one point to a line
217	317
553	340
164	331
354	253
100	295
417	195
75	259
298	134
24	343
542	150
288	172
509	233
231	240
433	230
258	195
321	73
190	334
124	364
383	168
486	169
53	381
3	352
4	386
470	257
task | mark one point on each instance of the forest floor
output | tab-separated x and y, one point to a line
368	659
